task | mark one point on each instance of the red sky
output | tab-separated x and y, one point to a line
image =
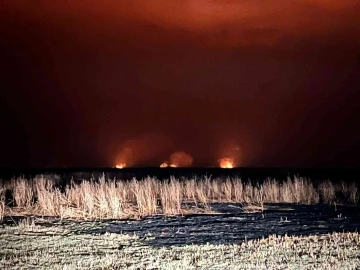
82	80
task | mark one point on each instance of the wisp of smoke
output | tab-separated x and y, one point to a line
143	150
181	159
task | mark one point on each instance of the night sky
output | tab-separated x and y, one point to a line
271	83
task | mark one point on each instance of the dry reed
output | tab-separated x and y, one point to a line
2	203
23	192
105	199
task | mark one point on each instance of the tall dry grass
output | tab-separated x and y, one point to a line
23	192
50	200
2	203
146	193
171	197
103	199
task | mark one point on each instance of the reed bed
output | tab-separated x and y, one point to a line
115	199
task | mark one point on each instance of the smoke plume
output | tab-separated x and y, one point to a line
143	150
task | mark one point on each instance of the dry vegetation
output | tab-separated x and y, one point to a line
33	246
105	199
2	203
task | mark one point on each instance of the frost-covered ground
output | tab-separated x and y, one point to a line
229	240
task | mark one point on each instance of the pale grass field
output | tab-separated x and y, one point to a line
111	199
31	246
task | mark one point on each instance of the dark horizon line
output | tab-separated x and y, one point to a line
87	168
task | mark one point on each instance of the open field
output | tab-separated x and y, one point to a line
179	224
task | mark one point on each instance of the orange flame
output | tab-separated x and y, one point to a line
165	165
226	163
120	166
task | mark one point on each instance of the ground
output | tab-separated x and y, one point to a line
281	237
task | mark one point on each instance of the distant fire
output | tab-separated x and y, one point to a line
120	166
178	159
165	165
226	163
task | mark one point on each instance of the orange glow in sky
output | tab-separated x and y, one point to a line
268	57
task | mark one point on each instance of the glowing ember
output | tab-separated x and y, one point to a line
173	165
120	166
226	163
